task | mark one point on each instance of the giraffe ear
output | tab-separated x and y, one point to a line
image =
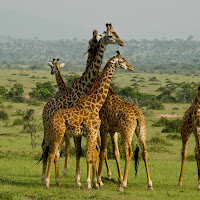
62	65
50	64
100	36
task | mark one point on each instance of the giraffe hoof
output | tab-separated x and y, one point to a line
79	187
121	189
64	174
47	184
96	186
150	188
101	184
179	184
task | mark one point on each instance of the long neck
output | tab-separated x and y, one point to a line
62	88
84	84
97	96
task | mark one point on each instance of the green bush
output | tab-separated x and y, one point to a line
3	115
16	93
43	91
170	126
17	122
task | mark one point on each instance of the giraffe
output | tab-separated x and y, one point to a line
68	99
83	119
62	88
125	118
191	124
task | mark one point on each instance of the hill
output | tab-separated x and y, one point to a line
146	55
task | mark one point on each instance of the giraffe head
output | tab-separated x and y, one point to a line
110	37
55	66
121	62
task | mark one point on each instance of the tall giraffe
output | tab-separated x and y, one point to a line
191	124
81	87
83	119
124	118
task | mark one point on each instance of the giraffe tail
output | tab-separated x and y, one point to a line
136	159
44	155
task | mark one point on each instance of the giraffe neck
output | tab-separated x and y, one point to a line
97	96
62	88
84	84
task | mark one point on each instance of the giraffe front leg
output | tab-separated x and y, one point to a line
91	157
67	149
102	155
56	162
77	142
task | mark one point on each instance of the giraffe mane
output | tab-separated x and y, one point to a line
96	83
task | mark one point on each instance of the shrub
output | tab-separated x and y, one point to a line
3	115
153	79
175	108
158	144
43	91
170	125
19	112
17	122
16	93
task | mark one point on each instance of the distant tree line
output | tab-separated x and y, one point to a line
169	56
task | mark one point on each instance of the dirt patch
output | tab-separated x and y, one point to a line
168	115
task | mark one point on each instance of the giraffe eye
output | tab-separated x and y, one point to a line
110	36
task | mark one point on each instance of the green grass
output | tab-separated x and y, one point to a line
20	176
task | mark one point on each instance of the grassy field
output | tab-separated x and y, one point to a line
20	176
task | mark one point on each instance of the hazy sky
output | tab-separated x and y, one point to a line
131	19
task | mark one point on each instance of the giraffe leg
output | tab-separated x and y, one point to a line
141	134
44	149
51	159
77	142
128	155
44	166
197	153
107	166
185	138
114	139
56	162
144	157
91	157
88	181
102	154
67	148
94	171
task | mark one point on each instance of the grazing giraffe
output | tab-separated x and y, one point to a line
55	70
83	120
125	118
68	99
191	124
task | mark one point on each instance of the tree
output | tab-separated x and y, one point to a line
16	92
43	91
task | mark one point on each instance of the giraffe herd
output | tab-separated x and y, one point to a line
90	108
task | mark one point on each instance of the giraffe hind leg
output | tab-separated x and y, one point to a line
141	134
185	138
197	154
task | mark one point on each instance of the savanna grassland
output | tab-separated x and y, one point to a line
20	177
